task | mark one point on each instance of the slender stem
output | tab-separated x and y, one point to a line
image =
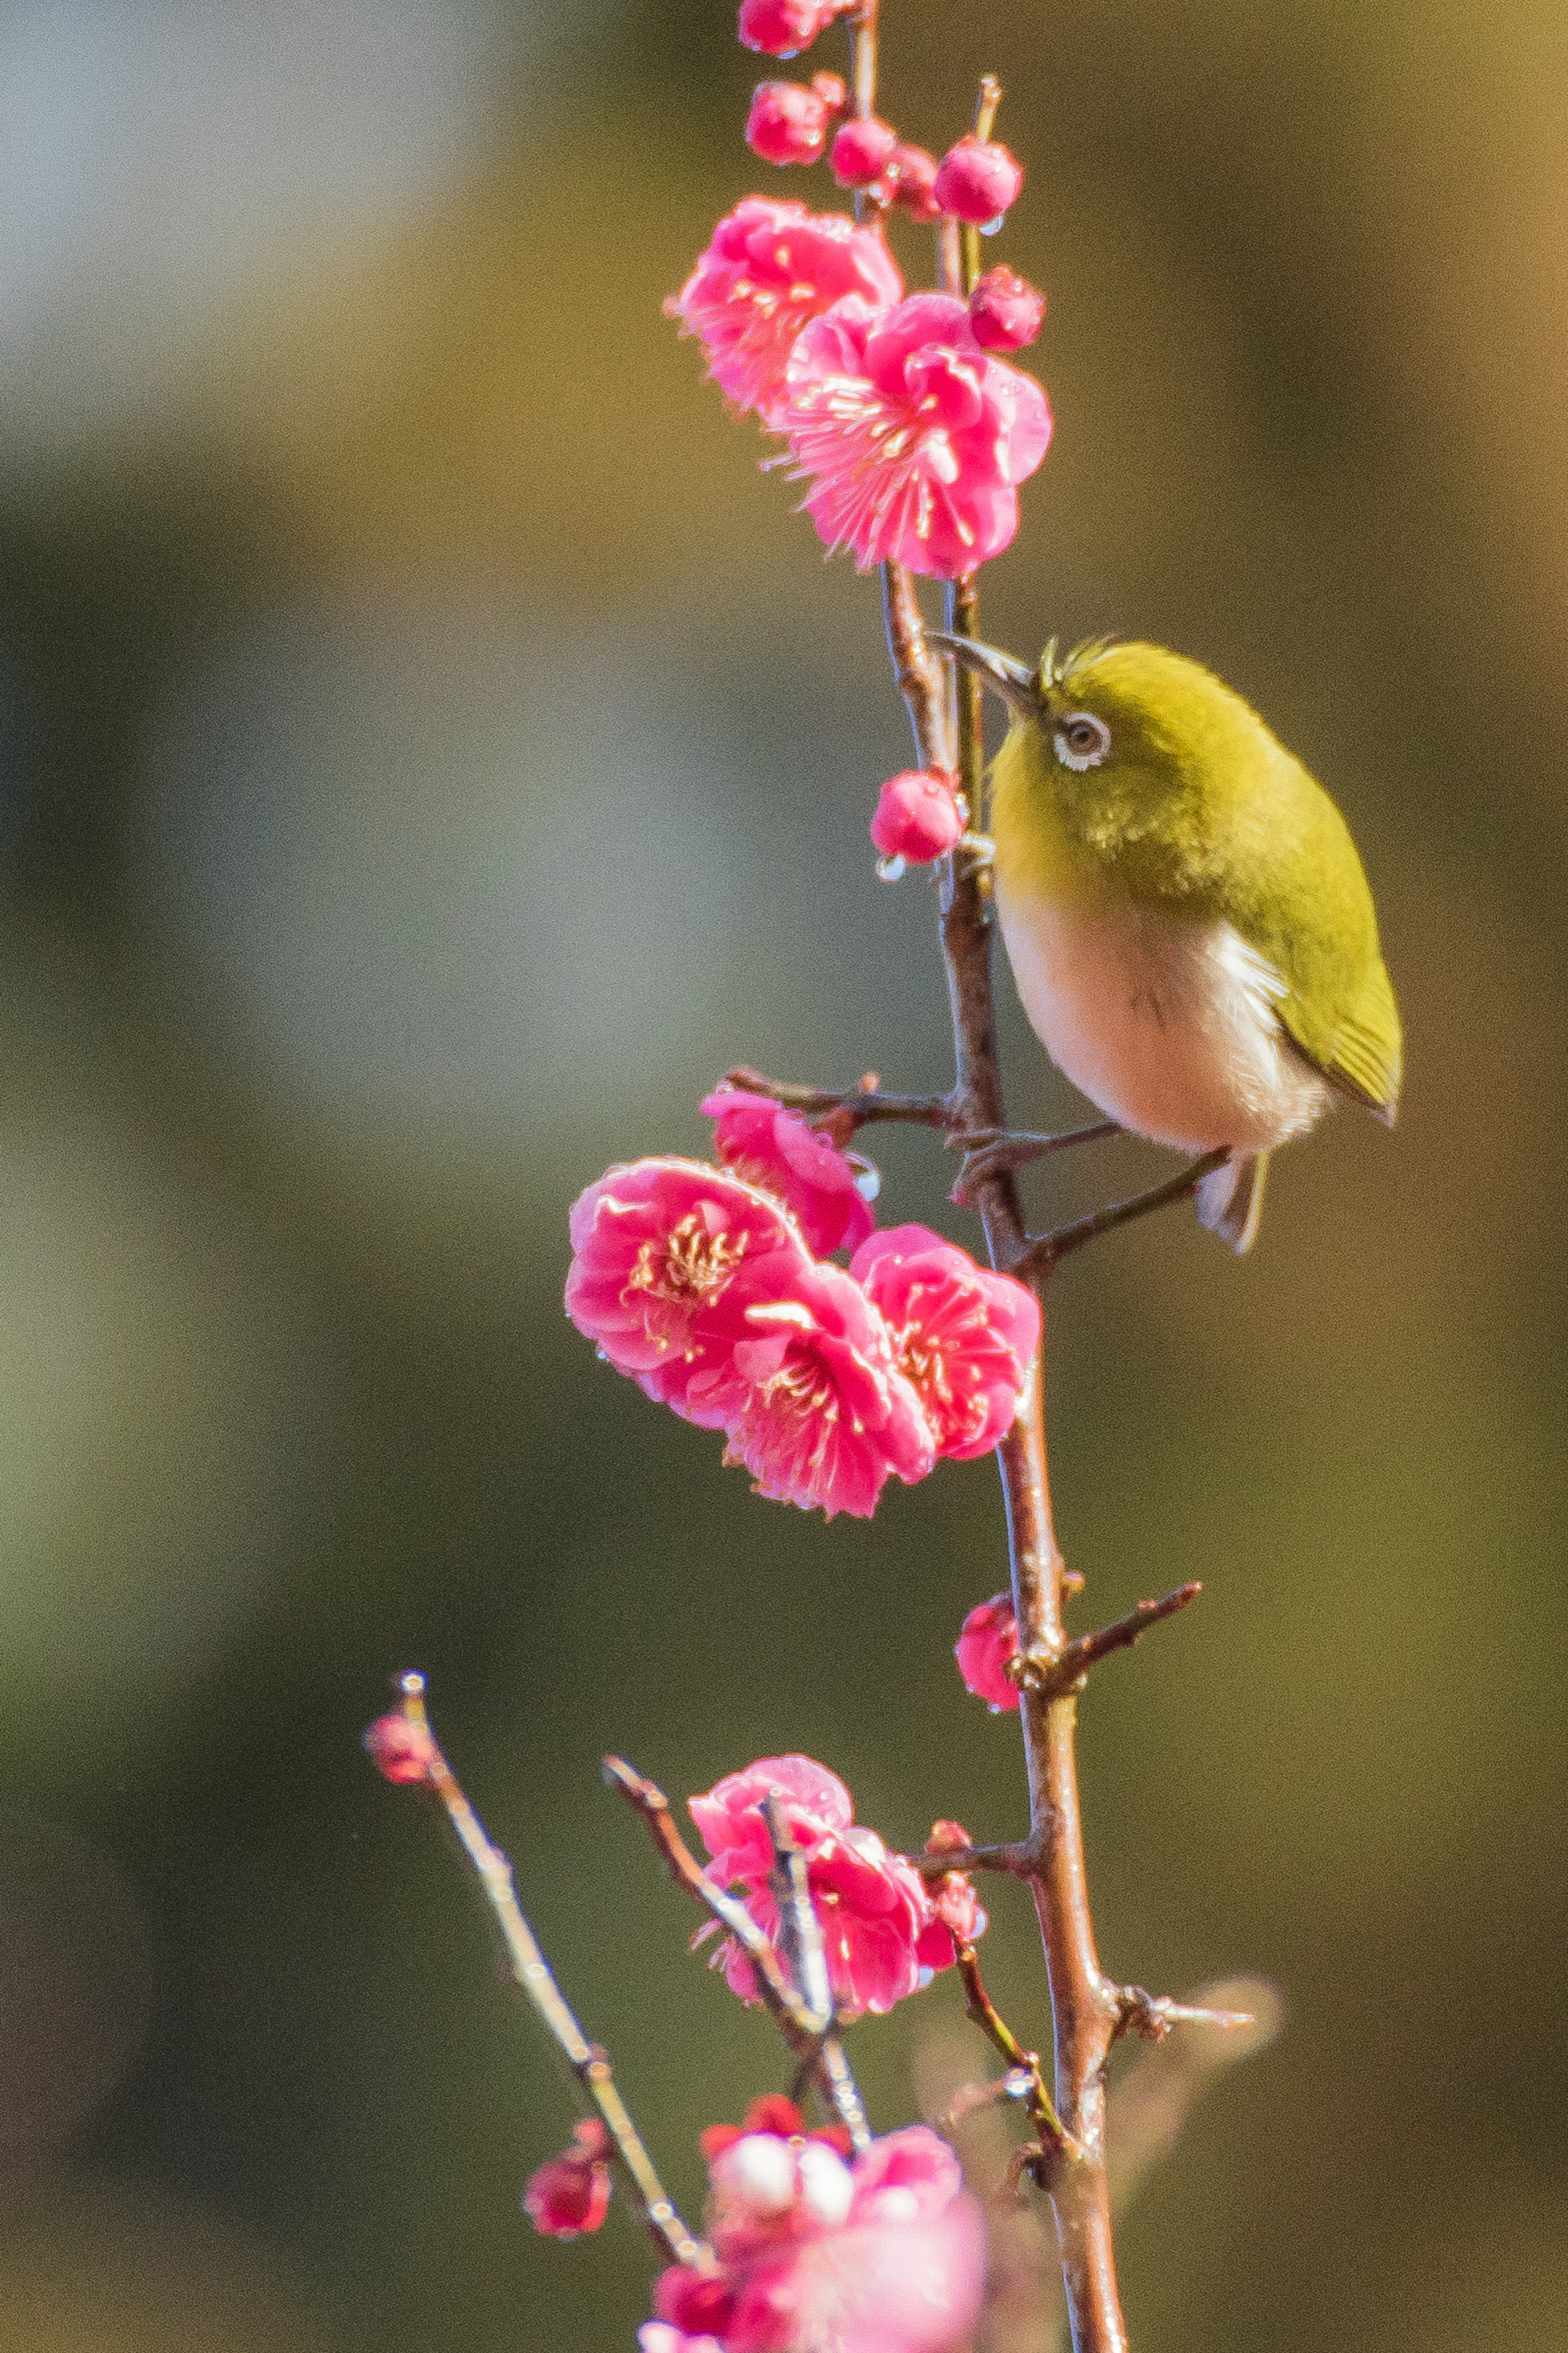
589	2061
865	1103
985	106
863	60
1048	1253
800	1931
979	2006
802	2028
1084	2007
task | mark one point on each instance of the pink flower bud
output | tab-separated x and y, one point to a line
916	815
977	180
696	2302
781	28
788	122
399	1750
913	173
988	1641
1006	310
832	90
571	2194
859	150
953	1903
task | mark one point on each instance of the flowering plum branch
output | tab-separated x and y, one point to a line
754	1293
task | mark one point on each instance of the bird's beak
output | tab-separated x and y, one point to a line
1014	682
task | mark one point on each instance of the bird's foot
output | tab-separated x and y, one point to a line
1045	1250
991	1152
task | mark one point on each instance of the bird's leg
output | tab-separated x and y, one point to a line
1047	1249
996	1151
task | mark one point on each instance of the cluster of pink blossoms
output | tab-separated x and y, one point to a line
884	1933
704	1287
913	437
884	2253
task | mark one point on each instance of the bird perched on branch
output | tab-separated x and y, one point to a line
1187	919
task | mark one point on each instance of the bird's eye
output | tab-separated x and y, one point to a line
1082	739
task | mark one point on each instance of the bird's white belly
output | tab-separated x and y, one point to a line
1169	1027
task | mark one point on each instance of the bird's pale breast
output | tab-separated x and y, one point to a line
1169	1027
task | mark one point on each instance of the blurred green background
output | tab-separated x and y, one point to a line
429	753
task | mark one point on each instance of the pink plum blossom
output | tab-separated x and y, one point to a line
399	1750
987	1642
871	1905
860	148
883	2255
658	1246
1006	310
961	1334
913	438
769	269
781	28
571	2194
824	1416
789	120
776	1150
977	180
916	816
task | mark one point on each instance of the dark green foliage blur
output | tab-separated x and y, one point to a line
429	753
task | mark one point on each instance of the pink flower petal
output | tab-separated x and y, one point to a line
769	269
912	438
961	1334
778	1152
658	1245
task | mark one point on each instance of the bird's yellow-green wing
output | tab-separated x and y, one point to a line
1351	1034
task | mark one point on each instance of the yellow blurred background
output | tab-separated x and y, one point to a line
429	753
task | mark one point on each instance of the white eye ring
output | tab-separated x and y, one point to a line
1082	739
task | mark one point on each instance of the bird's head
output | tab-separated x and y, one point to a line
1111	708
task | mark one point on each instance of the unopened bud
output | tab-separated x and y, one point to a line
986	1644
860	148
977	180
1006	310
781	28
399	1750
788	122
571	2194
916	816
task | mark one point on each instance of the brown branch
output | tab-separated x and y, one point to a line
1084	2008
1069	1671
862	1105
1046	1253
529	1969
1056	2141
822	2054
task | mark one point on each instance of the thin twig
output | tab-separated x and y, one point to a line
1046	1253
1053	2135
528	1967
822	2054
800	1931
1068	1670
863	1105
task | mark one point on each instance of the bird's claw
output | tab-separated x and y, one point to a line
991	1152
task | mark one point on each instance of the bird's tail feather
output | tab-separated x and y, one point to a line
1230	1199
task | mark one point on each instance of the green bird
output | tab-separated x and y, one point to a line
1188	923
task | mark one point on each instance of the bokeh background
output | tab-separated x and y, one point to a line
429	753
